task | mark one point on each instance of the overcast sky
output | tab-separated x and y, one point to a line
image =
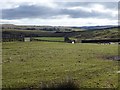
63	13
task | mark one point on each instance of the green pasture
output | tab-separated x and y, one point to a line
57	39
27	64
50	38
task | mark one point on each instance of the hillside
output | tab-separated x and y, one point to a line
40	28
51	31
99	34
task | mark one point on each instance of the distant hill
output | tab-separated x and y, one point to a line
99	34
42	28
88	32
56	28
98	27
7	26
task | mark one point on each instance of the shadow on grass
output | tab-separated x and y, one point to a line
65	85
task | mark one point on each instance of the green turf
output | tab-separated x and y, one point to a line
30	63
50	38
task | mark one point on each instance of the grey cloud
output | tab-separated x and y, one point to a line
32	11
110	5
72	4
84	14
27	11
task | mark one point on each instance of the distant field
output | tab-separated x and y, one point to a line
28	64
50	38
57	39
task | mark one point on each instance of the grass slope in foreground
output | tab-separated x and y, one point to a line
28	64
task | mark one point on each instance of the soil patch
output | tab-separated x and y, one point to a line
117	58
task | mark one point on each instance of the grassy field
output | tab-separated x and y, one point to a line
28	64
52	39
60	39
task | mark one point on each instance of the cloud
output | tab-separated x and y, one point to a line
62	22
84	13
76	10
28	11
84	4
50	12
89	9
8	4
